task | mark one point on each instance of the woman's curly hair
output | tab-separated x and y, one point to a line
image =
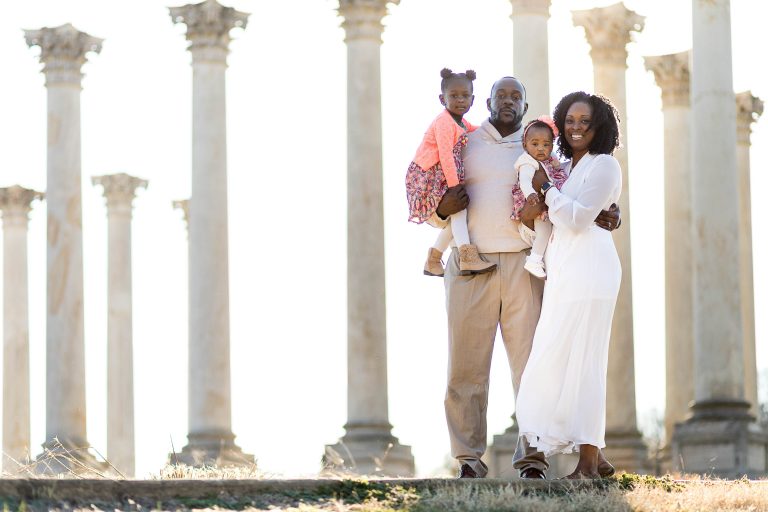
605	123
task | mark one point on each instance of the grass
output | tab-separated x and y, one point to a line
625	492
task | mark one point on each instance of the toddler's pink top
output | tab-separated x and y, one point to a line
437	146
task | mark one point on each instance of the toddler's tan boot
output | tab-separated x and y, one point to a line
470	261
434	264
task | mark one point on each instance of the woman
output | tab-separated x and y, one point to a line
561	402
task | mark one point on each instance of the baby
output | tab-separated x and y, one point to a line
538	138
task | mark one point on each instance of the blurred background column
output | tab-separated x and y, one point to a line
15	205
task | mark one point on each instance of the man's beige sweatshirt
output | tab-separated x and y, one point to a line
489	165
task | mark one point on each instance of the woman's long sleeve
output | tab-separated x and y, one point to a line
600	188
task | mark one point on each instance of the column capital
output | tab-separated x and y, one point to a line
208	26
748	109
539	7
362	18
183	205
63	52
16	202
119	190
608	30
673	76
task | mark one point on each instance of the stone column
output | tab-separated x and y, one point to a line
15	205
720	438
672	74
211	440
748	109
530	52
119	191
608	31
368	446
63	53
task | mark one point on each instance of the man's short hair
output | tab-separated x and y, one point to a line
493	88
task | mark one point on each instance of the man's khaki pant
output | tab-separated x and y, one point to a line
477	305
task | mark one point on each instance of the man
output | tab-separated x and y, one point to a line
508	297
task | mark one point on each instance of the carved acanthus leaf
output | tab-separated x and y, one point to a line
63	51
673	76
362	18
119	189
608	30
16	201
208	26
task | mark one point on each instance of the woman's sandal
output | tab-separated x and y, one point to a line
606	469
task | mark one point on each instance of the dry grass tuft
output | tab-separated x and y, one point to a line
184	472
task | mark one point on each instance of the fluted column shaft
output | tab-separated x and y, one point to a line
608	31
748	109
719	363
119	191
210	410
63	51
366	313
672	73
530	52
209	357
15	206
368	435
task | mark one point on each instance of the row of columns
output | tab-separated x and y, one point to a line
63	52
15	205
672	73
368	443
711	360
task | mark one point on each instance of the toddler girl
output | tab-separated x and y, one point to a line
538	137
437	166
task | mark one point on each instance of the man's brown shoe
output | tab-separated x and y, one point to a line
532	474
466	471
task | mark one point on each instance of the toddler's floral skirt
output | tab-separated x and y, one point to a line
424	188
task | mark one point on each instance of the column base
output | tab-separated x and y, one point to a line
626	450
211	449
68	456
369	450
502	451
721	439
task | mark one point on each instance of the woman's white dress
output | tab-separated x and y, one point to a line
561	401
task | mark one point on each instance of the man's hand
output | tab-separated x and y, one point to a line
530	212
454	200
609	219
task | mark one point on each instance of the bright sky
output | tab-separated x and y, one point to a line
287	177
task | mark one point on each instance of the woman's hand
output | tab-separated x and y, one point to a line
609	219
539	178
454	200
